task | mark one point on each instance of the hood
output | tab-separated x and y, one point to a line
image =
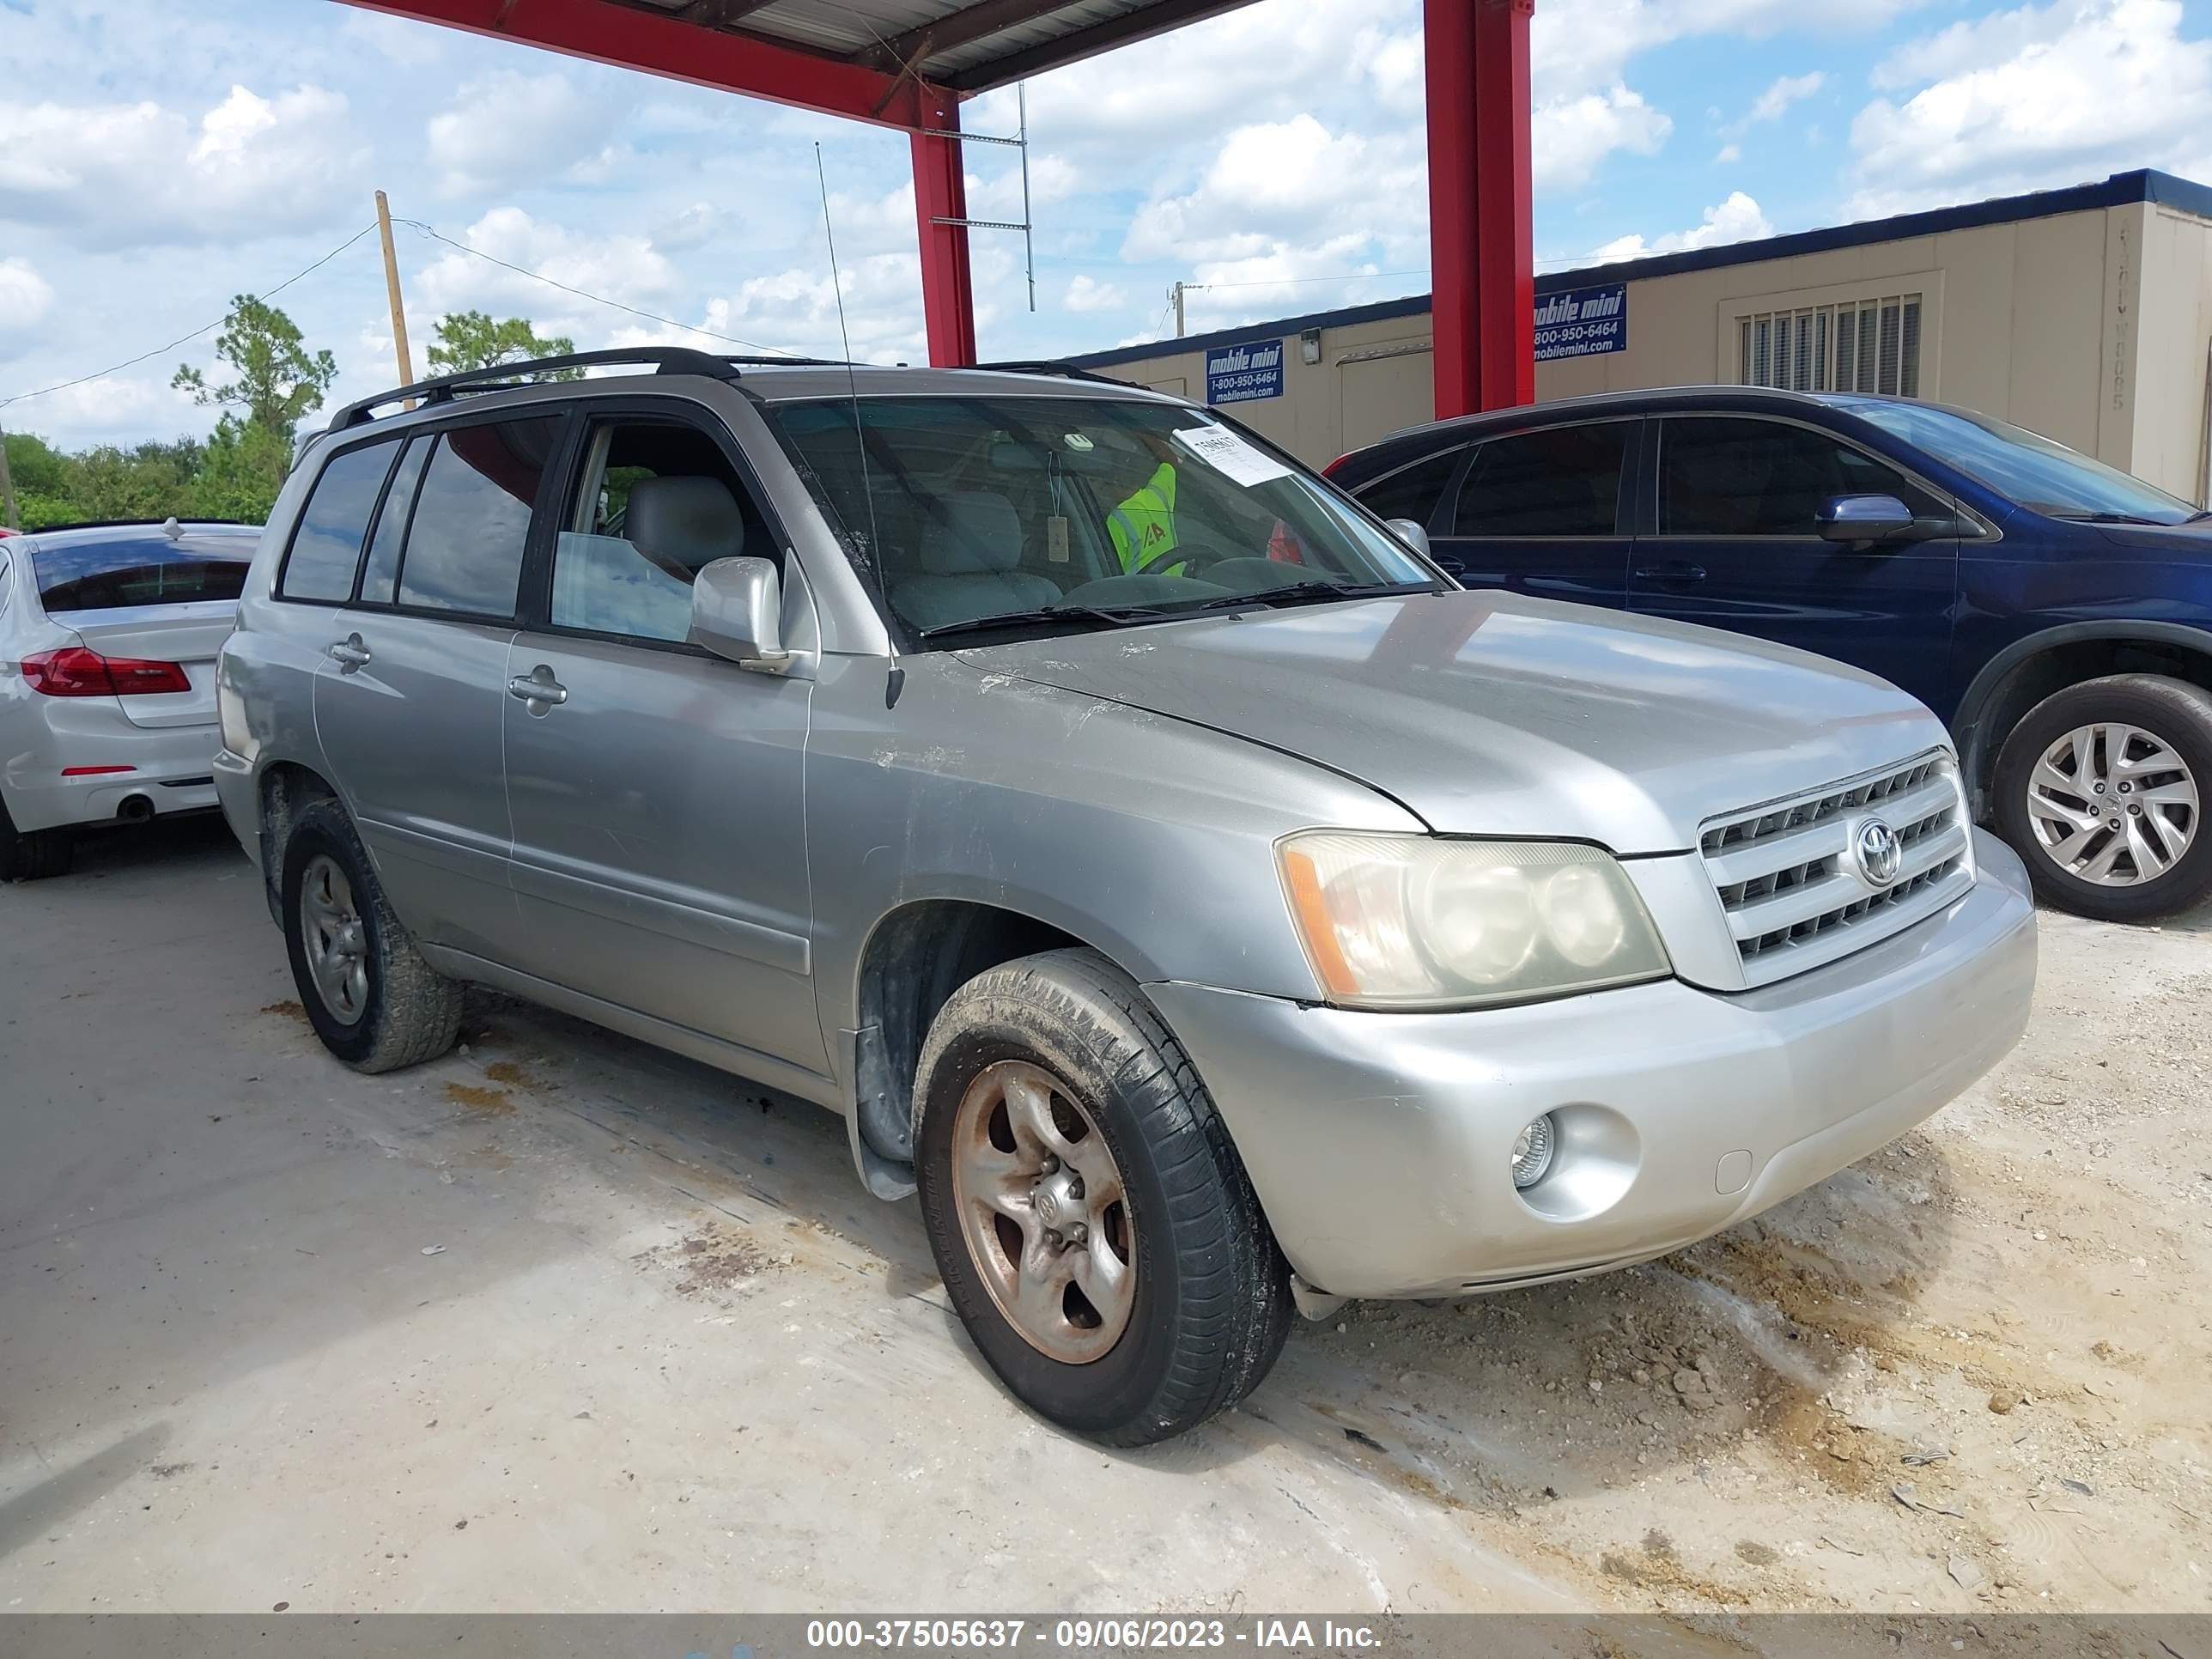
1495	715
2193	542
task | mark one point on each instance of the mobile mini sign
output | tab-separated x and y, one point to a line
1581	322
1240	374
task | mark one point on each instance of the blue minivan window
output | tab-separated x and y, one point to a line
2042	475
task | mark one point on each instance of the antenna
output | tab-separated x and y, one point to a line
897	680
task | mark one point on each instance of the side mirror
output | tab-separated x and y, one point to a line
1410	532
737	612
1863	518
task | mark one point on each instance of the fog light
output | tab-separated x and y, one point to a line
1532	1152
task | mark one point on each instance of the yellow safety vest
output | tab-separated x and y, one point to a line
1143	526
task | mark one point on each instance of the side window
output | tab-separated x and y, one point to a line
472	518
379	575
1749	478
657	501
1413	492
326	547
1565	481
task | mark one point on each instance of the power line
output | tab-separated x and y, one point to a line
186	339
581	293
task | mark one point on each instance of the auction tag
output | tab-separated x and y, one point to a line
1055	539
1229	454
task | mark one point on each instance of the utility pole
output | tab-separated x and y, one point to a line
7	489
391	289
1176	293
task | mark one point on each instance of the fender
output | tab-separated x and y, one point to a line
1967	722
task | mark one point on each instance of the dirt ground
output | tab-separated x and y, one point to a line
563	1323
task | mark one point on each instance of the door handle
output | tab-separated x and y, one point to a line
1678	571
349	654
538	687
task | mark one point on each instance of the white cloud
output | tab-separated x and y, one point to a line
694	228
2028	99
626	268
1736	220
509	127
1276	185
131	175
1570	137
1086	294
1728	155
25	297
1775	102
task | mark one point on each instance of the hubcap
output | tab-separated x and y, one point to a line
2113	805
1044	1213
337	946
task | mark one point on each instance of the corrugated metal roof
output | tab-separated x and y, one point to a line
970	45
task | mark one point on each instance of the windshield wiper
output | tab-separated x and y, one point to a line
1048	615
2113	518
1314	592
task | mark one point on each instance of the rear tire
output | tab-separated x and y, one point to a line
2128	749
373	999
1208	1307
34	854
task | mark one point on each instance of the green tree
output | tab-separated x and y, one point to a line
471	340
279	382
240	473
41	474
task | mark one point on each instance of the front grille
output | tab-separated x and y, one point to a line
1790	885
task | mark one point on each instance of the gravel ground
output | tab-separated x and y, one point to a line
562	1322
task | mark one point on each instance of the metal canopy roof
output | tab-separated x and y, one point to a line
967	45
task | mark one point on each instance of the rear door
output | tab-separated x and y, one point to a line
1545	512
659	858
411	698
1737	546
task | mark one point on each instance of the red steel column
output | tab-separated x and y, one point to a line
1482	241
940	192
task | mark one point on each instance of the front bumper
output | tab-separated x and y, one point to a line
171	767
1380	1144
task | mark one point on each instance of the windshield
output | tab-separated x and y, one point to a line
2043	476
1099	511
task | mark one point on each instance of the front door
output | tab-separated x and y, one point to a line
1738	547
1542	513
411	695
659	840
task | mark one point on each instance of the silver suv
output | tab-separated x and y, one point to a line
1212	909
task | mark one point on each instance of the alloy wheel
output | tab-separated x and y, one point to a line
1044	1212
2113	805
337	943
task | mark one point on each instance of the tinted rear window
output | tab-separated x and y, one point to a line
472	517
142	569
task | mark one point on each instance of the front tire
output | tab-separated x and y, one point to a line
367	992
1095	1227
34	854
2102	789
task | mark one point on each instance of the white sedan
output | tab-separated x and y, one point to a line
108	635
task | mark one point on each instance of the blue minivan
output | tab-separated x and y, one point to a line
2056	611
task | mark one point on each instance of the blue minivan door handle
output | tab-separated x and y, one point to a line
1679	571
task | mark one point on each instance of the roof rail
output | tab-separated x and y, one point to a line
665	360
1051	366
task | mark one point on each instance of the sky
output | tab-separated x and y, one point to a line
159	156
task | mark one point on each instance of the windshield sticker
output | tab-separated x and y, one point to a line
1227	453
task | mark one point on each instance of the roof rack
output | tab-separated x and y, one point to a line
1051	366
665	360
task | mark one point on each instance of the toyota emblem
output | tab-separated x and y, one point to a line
1879	854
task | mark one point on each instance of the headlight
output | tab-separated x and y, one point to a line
1413	922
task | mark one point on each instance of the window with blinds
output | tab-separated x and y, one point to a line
1864	345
